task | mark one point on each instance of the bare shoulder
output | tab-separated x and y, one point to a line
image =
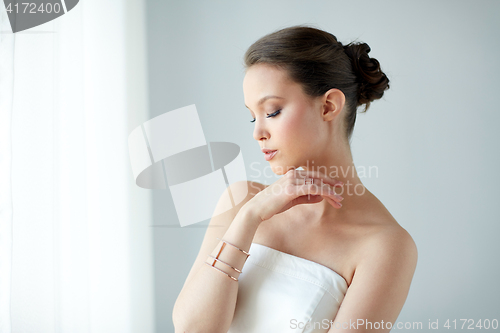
397	238
390	243
382	277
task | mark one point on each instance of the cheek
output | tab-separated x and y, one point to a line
303	128
298	136
291	131
292	124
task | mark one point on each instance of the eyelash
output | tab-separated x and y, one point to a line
274	114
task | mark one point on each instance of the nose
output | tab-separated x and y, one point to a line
259	131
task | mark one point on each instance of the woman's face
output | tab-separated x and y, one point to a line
296	131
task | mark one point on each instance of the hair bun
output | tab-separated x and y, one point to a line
372	82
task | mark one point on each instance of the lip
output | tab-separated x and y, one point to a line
269	156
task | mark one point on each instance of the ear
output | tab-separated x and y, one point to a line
333	103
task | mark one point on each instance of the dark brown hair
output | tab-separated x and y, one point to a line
319	62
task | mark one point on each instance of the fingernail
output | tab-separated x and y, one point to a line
339	197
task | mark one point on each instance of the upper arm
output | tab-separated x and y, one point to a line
219	224
380	284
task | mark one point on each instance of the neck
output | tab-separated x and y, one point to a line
340	167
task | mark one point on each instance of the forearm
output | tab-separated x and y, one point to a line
207	302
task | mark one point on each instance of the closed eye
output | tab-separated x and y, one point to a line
274	114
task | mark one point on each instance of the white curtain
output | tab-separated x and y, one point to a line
75	235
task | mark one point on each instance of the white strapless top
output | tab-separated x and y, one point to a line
280	292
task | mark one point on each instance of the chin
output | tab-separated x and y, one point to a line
280	170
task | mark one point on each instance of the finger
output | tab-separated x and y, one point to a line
315	181
323	190
333	203
304	199
317	176
326	190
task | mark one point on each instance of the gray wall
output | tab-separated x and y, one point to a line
433	137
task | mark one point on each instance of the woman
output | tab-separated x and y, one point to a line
314	264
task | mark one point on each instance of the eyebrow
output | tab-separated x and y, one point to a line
263	99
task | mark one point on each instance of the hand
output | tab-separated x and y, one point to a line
295	188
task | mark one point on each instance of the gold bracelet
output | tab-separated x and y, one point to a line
234	246
236	269
220	270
